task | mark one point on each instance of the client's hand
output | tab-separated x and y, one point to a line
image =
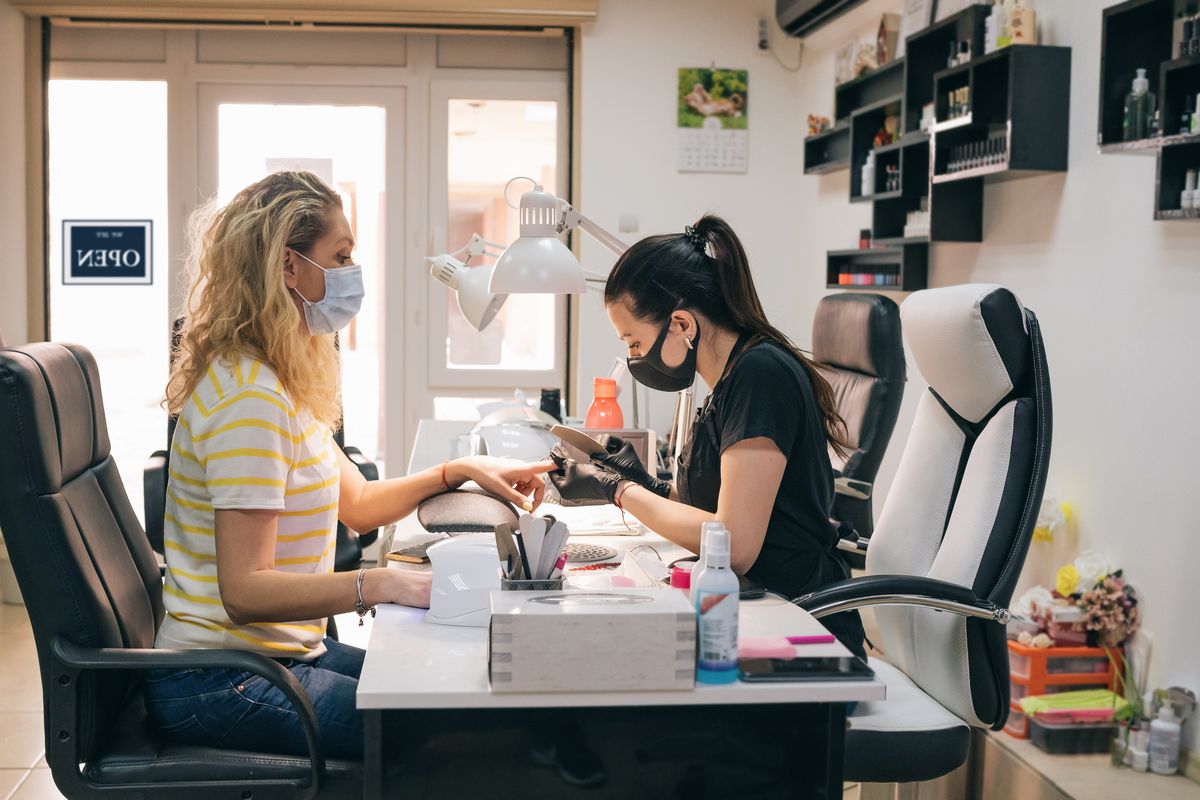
583	484
621	459
406	587
508	478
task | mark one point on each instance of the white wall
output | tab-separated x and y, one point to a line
1115	291
12	174
630	61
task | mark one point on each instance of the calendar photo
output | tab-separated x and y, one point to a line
712	119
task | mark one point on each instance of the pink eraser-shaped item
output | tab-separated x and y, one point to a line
765	647
622	581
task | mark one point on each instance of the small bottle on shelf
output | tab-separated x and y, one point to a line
964	51
1185	38
1185	122
1187	200
868	176
1139	108
953	59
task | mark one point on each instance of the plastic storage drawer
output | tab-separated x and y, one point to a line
1017	725
1071	737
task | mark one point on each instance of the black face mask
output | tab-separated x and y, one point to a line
649	370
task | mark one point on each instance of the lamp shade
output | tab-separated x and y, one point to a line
538	262
478	305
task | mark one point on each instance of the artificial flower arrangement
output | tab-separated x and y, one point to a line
1091	605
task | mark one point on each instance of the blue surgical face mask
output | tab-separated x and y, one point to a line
343	297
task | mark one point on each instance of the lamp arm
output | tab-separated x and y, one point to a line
573	219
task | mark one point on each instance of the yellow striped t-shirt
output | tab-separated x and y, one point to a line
242	444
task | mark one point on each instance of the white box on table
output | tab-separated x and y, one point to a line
592	641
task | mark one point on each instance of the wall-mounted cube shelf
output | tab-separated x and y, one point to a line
1020	95
1138	35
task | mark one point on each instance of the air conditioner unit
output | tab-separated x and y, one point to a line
802	17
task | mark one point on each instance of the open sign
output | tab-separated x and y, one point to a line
107	252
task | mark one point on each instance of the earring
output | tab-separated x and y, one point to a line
688	342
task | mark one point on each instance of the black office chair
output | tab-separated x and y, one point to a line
348	551
857	341
94	596
953	535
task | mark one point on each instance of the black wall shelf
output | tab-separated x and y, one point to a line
896	268
1138	35
1020	95
828	151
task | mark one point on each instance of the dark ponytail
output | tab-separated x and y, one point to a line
705	269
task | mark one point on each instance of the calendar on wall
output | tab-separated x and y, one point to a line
712	121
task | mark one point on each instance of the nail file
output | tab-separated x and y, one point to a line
507	548
579	440
552	547
525	573
535	541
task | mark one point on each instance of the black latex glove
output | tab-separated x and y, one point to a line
623	460
582	484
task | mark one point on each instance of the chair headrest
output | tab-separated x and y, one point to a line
971	343
61	386
859	332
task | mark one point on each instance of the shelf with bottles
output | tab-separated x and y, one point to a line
1180	82
1177	195
1137	35
1014	121
872	161
827	151
903	219
894	268
929	52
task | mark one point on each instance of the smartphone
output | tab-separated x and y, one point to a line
416	554
805	668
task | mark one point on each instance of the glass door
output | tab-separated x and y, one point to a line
482	134
108	251
353	138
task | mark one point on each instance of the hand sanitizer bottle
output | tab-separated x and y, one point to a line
698	570
1139	108
1164	742
717	613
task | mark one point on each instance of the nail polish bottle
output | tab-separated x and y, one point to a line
952	61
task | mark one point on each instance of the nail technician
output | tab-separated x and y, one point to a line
757	459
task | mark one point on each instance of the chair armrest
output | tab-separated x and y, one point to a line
900	590
71	659
154	492
859	490
365	465
370	471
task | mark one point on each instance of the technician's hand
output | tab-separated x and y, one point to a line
583	484
622	460
513	480
404	587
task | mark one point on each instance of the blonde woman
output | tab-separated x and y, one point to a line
257	484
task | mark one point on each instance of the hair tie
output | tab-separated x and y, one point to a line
695	238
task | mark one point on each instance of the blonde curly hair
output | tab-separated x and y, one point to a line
238	304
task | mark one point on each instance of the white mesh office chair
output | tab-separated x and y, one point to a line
953	534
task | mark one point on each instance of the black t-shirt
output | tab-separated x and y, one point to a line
767	393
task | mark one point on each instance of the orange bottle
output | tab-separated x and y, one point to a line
604	412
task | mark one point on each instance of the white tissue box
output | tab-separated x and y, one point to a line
592	641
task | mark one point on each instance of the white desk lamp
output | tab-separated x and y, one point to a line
478	304
538	262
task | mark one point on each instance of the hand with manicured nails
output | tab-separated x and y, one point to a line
583	484
623	460
507	478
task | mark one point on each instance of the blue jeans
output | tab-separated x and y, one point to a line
242	711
